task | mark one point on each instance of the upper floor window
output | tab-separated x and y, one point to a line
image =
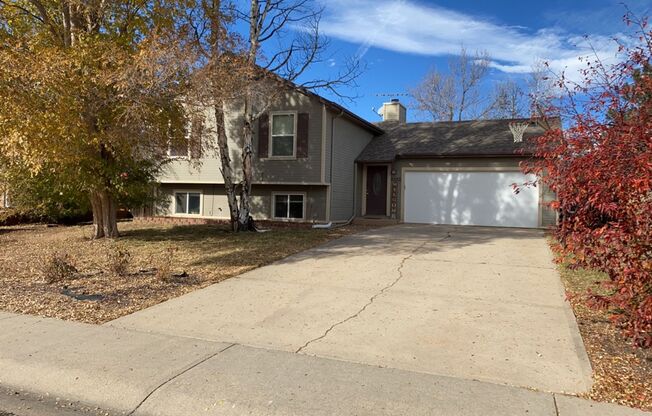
283	137
191	145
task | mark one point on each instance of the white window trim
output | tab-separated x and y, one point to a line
270	146
303	213
176	157
187	191
188	154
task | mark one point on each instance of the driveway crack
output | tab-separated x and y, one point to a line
399	270
185	370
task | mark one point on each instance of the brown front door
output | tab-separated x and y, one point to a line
376	190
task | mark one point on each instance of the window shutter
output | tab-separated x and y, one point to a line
302	134
263	136
196	133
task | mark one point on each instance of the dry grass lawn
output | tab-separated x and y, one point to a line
622	374
163	262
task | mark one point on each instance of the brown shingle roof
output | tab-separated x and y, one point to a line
481	138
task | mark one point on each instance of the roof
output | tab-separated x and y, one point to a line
474	138
373	128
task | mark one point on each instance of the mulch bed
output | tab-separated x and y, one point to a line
622	373
163	262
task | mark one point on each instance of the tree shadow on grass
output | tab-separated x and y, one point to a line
176	233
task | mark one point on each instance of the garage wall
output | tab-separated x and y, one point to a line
547	216
215	204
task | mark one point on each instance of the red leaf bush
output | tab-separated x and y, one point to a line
600	167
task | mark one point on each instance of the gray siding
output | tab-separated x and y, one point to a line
348	141
207	169
315	201
548	216
301	170
215	205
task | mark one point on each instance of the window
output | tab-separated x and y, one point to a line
189	146
178	148
283	135
289	206
188	203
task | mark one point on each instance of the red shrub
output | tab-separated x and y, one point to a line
600	168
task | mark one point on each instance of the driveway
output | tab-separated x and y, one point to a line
468	302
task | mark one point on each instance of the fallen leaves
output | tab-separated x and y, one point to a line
621	373
164	262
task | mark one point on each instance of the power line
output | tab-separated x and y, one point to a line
399	94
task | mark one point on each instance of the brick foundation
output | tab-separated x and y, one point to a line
209	221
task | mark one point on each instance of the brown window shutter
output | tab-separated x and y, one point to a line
302	134
263	136
196	134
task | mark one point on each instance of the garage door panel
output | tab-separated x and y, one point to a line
470	198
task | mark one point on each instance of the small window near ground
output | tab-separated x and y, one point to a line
288	206
187	203
283	135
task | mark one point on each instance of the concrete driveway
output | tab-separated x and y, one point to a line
468	302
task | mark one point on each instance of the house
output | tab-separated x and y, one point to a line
315	161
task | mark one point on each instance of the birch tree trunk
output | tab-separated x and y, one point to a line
245	221
225	166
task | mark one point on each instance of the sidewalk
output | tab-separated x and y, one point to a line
147	374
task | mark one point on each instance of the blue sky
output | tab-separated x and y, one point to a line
400	40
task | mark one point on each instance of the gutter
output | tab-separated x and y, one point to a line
370	126
460	155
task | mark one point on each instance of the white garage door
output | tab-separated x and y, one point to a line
470	198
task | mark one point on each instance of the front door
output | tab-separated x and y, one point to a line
376	190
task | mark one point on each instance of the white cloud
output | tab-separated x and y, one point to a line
406	26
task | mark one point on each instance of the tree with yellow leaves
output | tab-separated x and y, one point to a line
90	90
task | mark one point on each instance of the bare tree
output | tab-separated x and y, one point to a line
453	95
250	75
509	101
545	94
